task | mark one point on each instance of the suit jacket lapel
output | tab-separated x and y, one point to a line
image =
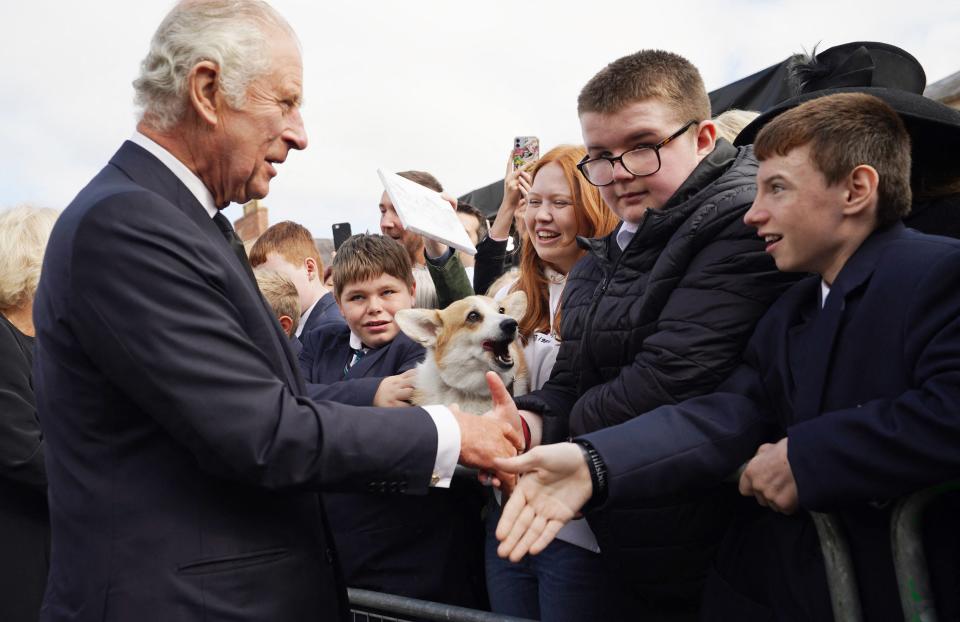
816	357
142	167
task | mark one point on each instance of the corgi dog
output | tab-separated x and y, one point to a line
464	341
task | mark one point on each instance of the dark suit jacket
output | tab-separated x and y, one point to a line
182	457
326	351
325	311
24	524
868	392
425	547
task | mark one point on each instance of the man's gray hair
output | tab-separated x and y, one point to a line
229	33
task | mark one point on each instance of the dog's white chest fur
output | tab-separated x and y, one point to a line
468	390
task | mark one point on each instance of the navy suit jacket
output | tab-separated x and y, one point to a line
326	352
325	311
868	392
182	456
424	547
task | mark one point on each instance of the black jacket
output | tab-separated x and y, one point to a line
24	526
662	321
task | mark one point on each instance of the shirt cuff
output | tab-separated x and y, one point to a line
448	445
496	239
442	259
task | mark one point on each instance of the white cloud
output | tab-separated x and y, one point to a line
429	84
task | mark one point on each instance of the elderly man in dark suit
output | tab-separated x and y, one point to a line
182	457
850	386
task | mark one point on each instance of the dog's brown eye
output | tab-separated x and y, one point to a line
473	316
502	311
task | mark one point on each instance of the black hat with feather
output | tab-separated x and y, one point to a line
880	69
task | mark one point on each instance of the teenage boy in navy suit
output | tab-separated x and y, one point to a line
428	547
848	397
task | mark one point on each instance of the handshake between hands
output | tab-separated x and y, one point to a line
557	483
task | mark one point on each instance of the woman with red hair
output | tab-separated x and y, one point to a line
565	582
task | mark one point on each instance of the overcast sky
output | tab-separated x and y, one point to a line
441	86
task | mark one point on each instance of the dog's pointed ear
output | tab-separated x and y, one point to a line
421	325
515	304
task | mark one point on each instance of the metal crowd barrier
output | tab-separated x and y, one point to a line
367	606
909	558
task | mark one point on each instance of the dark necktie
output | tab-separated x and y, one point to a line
355	357
235	243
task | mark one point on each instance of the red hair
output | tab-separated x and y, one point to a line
594	220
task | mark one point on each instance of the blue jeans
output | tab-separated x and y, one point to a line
564	583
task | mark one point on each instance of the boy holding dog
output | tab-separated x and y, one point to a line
423	547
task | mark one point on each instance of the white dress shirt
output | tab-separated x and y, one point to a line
626	233
303	318
448	430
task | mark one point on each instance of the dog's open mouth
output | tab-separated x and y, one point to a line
501	352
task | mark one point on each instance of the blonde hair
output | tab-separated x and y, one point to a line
281	294
729	124
24	232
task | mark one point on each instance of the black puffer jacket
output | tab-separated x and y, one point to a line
663	321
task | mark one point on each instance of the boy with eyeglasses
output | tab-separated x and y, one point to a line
660	310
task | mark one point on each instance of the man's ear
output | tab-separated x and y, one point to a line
515	304
286	323
421	325
706	137
204	91
313	269
860	194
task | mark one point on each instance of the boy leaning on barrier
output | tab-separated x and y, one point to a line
850	387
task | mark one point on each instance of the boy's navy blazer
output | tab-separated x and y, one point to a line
182	456
424	547
866	389
325	311
326	351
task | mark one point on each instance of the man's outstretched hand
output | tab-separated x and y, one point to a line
484	438
554	486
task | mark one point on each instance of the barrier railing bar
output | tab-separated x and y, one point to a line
909	558
421	609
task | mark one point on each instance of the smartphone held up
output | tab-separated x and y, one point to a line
526	149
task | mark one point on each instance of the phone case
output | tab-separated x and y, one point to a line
341	231
526	149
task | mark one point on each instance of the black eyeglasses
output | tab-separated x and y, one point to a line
639	162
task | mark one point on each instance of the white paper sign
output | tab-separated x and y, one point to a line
424	211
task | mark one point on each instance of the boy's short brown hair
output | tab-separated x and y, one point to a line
845	131
648	74
281	295
367	256
288	239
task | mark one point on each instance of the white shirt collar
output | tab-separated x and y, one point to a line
178	168
355	341
306	314
626	233
824	292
